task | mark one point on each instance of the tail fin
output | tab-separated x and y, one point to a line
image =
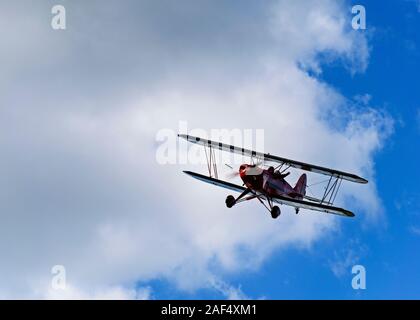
300	186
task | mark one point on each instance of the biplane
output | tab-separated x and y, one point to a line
268	185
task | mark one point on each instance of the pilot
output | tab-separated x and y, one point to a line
284	175
276	173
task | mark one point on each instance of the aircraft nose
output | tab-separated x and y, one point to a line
242	170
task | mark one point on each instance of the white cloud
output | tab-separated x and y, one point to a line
349	256
415	230
111	293
323	27
80	185
228	291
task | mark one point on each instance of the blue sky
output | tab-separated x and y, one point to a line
390	252
82	185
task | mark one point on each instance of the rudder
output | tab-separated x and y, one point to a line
300	186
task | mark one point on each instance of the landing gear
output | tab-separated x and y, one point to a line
275	212
230	201
297	210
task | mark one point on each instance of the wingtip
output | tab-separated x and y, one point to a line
350	214
359	179
365	181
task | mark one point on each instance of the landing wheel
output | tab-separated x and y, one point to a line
230	201
275	212
297	210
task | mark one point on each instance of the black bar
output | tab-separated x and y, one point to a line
209	309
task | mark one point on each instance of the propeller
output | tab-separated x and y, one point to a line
232	174
235	173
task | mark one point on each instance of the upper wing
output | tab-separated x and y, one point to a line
279	199
269	157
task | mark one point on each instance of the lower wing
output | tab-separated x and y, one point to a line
279	199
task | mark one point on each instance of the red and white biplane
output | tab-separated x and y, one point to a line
268	185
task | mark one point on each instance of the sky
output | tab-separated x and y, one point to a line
81	110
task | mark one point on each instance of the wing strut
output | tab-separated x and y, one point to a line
331	190
211	161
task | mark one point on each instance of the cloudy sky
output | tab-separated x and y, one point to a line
81	110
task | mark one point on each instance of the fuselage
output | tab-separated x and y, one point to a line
267	181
